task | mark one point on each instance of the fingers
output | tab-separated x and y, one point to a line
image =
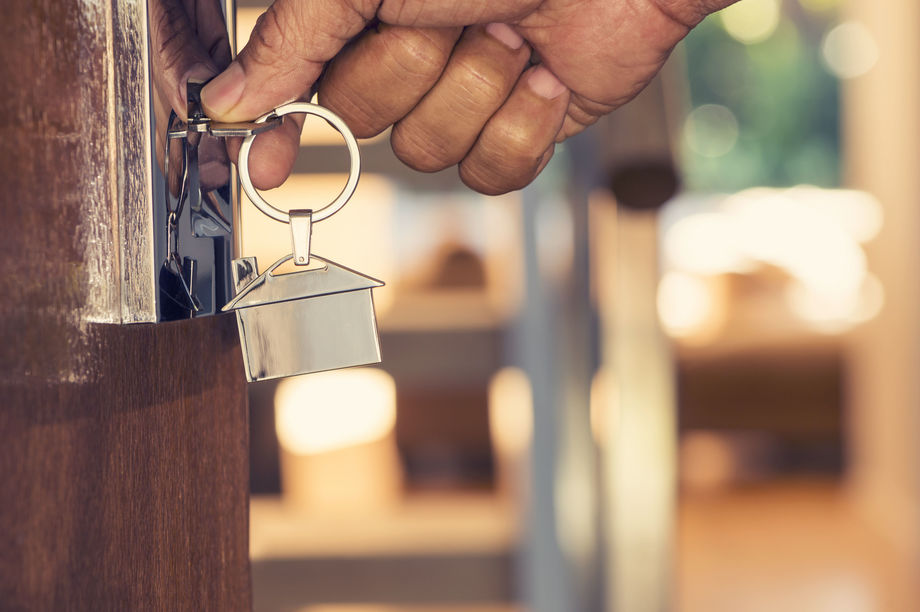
518	140
189	41
428	13
211	28
285	54
294	38
177	53
443	127
378	79
273	153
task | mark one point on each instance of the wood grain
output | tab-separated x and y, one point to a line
123	449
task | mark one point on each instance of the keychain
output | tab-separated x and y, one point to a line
310	320
315	319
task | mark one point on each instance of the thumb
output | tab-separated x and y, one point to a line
294	39
285	55
178	54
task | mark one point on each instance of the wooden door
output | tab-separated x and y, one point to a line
123	448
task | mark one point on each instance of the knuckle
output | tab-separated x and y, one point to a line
414	52
681	12
361	117
365	8
506	157
400	11
482	83
271	38
518	141
415	148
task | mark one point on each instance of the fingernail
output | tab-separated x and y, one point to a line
505	34
544	83
223	93
199	73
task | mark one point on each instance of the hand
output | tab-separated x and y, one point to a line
453	77
188	41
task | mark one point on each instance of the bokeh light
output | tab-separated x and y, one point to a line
711	130
751	21
685	303
812	235
849	50
328	411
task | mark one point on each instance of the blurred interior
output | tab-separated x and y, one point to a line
679	372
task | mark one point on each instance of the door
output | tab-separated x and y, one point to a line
123	448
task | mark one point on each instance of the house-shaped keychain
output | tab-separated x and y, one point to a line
302	322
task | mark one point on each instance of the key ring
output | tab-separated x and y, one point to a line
336	122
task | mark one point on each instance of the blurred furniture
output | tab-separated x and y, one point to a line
437	549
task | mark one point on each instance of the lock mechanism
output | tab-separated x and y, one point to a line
195	210
314	318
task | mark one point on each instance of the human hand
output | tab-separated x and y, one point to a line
188	41
453	77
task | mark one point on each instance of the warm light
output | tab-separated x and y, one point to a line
790	234
850	50
603	406
575	497
812	234
856	212
685	303
836	313
359	236
329	411
711	130
704	243
751	21
510	411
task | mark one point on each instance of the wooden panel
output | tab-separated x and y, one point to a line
123	449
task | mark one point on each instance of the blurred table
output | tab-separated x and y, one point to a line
795	545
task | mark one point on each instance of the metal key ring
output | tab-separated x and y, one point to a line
336	122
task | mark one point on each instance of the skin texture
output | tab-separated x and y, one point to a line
189	40
454	78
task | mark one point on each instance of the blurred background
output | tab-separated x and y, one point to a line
678	372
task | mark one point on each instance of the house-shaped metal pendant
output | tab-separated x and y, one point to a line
301	322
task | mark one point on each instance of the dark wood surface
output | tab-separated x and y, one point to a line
123	449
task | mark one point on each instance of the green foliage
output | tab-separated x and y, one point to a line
784	100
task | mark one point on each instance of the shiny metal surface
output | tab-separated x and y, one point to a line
242	130
268	287
306	321
182	241
179	231
301	229
243	272
226	130
353	173
299	337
